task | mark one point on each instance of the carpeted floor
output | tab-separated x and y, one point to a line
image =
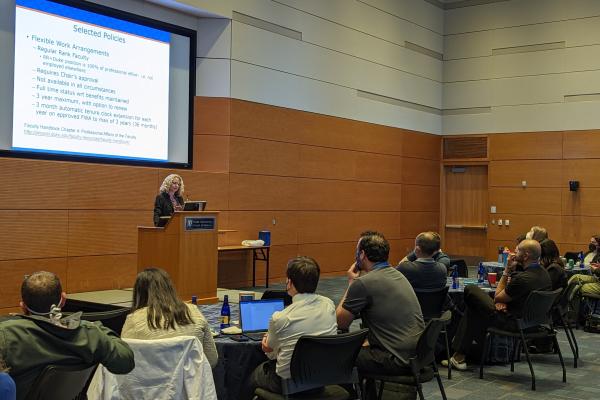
499	382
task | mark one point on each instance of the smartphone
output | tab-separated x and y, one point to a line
238	338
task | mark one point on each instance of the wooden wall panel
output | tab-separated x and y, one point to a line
526	146
526	200
520	224
35	183
341	226
579	229
323	162
212	115
13	272
467	198
248	224
264	157
257	192
581	144
105	232
332	257
104	187
420	198
537	173
86	274
210	186
587	172
573	247
584	202
33	234
420	172
413	223
465	242
321	194
421	145
211	153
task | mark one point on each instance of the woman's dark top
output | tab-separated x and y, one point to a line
558	276
163	206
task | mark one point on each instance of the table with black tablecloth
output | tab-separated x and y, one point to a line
236	359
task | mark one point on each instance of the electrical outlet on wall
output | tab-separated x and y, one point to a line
499	222
506	222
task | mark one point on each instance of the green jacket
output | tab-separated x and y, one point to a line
29	343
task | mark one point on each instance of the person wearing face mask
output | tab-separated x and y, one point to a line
482	311
388	306
40	336
592	256
169	198
309	314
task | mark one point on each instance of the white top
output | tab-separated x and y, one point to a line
309	314
136	327
588	259
165	369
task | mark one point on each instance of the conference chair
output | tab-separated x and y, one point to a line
165	369
535	323
560	312
432	306
322	361
68	382
422	367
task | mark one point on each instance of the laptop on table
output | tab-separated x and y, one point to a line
194	205
255	316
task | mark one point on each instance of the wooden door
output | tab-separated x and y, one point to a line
465	201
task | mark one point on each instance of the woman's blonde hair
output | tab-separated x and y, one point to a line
167	184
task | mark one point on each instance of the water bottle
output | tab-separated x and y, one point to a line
225	313
505	254
500	255
581	258
454	275
195	300
480	273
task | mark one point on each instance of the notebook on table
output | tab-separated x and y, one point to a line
255	316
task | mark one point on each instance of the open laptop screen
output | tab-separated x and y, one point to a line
255	314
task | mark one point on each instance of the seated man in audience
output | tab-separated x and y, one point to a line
309	314
438	256
40	337
425	273
388	306
482	311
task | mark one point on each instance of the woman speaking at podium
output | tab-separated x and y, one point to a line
169	199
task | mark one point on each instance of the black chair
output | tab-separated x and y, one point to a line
278	294
461	265
432	306
560	312
422	366
535	323
65	382
320	361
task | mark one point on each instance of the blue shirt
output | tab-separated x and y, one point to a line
8	390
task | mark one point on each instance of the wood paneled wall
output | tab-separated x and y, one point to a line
314	181
547	161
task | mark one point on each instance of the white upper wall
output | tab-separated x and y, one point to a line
522	65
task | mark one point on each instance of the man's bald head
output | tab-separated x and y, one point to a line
529	251
428	243
40	291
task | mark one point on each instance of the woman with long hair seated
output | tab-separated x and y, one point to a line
157	313
550	259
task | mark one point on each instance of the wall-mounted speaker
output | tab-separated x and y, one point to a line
573	186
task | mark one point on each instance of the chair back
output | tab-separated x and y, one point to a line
461	265
68	382
571	255
536	310
564	300
432	302
173	368
278	294
112	319
324	360
425	351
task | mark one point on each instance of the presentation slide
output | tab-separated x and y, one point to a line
89	84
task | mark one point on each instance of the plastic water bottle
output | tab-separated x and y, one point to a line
505	254
581	258
225	313
480	273
195	300
454	275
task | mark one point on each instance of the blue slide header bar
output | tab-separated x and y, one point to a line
95	19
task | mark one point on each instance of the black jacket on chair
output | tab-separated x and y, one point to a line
163	206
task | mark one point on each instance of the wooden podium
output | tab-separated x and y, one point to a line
187	249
